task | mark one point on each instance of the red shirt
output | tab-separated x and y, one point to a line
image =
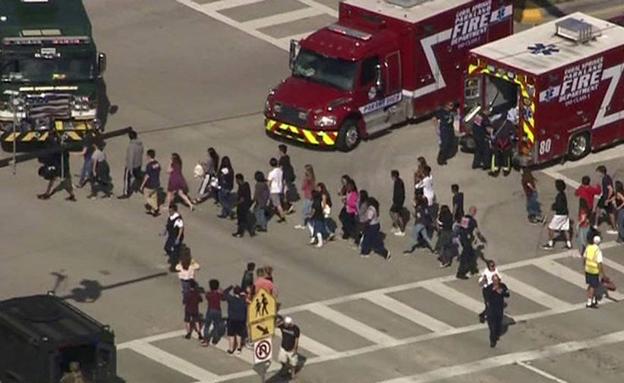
192	298
588	192
214	299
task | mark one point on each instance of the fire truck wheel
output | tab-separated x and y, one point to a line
579	146
348	136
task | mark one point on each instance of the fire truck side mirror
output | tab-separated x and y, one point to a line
292	54
101	63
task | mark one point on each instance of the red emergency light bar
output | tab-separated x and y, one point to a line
63	40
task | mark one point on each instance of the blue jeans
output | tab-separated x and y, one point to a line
260	214
581	238
225	199
533	206
214	319
86	172
372	240
305	212
419	230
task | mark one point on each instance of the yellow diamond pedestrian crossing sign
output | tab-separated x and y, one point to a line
261	314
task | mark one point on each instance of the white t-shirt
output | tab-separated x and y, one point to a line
275	181
427	185
487	276
189	274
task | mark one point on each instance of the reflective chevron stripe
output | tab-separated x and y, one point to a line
312	137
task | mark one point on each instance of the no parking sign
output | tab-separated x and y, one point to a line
263	351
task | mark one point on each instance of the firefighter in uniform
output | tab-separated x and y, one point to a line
480	136
175	235
502	149
593	271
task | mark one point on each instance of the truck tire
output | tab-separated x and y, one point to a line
348	136
579	146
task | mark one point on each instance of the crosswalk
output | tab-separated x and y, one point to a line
218	10
386	299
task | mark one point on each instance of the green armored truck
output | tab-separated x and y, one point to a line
51	85
43	339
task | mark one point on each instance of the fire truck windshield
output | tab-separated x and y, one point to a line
326	70
43	70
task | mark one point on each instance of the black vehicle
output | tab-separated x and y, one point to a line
41	335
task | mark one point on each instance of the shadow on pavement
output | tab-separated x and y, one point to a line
91	290
283	376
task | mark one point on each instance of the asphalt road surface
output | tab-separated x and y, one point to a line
189	75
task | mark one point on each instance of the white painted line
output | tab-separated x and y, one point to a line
321	7
541	372
173	362
411	340
449	372
612	265
456	297
407	312
313	346
297	37
227	4
601	156
352	325
151	339
556	175
233	23
563	272
393	289
281	18
534	294
575	277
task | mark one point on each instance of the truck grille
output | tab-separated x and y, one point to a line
291	115
50	105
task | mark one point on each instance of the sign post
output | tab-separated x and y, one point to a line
261	314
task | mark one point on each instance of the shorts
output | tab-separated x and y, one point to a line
289	358
607	208
276	199
559	223
235	328
191	317
593	280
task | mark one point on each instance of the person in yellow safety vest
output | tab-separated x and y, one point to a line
593	270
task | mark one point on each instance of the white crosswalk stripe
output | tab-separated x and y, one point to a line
252	27
401	309
351	324
454	296
282	18
174	362
227	4
534	293
380	298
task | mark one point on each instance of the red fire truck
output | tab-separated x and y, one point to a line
383	63
564	81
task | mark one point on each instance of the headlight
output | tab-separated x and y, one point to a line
81	103
324	121
267	107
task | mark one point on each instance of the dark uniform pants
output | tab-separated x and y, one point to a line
467	260
172	250
495	324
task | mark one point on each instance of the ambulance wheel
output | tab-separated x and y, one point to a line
348	136
579	146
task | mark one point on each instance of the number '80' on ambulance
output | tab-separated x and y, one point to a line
564	79
383	63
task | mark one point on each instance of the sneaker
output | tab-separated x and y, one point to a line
331	236
591	306
92	197
238	351
548	246
187	336
312	241
462	276
364	255
611	231
291	209
388	257
71	198
568	245
319	245
300	227
393	230
399	233
43	196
